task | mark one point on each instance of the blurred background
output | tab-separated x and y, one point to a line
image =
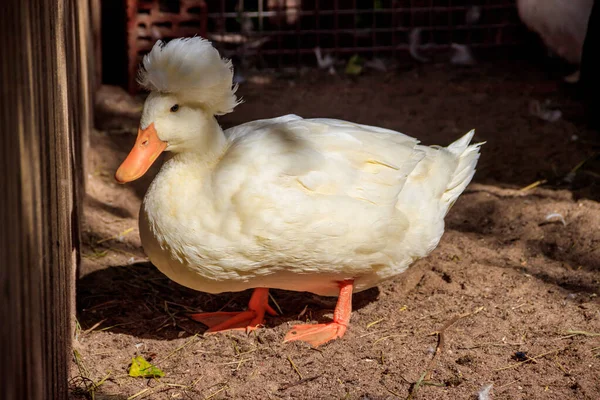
522	241
282	34
276	34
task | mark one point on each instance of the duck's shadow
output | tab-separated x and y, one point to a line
139	300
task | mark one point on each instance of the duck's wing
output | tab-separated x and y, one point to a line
375	162
315	195
325	195
325	157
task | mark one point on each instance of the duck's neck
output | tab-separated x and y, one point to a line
209	145
184	175
204	142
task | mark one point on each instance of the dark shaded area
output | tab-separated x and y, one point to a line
369	29
590	65
140	301
114	42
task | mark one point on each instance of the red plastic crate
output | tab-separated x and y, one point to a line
151	20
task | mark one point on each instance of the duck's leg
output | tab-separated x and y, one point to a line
319	334
244	320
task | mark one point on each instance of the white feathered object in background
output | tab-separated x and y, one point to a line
561	24
318	205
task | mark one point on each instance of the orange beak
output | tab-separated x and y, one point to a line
145	151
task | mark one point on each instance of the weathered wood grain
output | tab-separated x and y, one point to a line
45	108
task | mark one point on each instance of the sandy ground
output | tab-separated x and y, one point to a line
508	279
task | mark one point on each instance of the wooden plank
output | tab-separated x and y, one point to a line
44	122
96	21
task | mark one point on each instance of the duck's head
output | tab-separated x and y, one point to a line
189	84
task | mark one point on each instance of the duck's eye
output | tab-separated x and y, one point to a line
175	108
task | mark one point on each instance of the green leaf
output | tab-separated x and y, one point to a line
354	66
141	367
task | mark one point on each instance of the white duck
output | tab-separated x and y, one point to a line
318	205
561	24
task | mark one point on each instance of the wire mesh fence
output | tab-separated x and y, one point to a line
286	32
292	33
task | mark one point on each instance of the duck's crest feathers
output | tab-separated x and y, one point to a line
193	70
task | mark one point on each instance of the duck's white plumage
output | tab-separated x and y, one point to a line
301	204
318	205
561	24
288	203
193	69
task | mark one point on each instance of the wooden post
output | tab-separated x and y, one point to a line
96	23
44	121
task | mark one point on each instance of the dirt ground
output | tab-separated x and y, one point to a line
520	285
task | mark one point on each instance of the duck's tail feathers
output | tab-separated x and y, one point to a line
468	155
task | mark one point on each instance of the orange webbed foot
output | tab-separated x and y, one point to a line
226	321
245	320
316	334
319	334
